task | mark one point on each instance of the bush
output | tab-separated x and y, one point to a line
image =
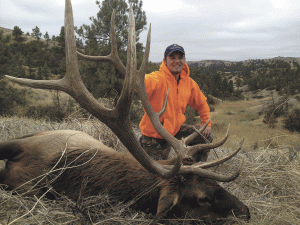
292	122
234	98
270	88
136	112
190	115
211	100
274	109
7	39
39	112
9	98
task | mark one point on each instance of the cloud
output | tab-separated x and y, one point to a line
207	29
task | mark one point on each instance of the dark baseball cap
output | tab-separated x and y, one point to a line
173	48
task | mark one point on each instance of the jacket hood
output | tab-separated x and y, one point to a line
184	73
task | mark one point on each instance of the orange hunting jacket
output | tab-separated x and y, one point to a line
185	92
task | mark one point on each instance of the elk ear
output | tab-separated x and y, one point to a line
168	198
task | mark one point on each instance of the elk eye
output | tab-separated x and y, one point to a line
203	200
219	195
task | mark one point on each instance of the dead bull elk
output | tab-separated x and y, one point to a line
173	188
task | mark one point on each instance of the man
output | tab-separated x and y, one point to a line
173	74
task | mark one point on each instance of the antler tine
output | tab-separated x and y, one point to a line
115	119
212	175
197	132
191	150
220	160
200	168
125	99
113	56
42	84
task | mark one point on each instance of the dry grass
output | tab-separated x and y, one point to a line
41	96
244	121
269	183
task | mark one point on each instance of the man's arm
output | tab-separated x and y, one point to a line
199	103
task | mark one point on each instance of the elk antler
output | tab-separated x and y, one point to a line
199	168
116	119
180	146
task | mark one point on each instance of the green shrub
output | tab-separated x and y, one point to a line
7	39
275	109
270	88
292	122
136	112
45	111
233	98
249	117
229	113
9	98
190	115
211	100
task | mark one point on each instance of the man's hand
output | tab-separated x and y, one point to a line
206	131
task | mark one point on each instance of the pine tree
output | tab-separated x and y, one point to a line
61	38
100	27
47	38
17	34
45	72
97	42
36	33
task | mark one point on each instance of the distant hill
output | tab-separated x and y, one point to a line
7	31
206	63
202	63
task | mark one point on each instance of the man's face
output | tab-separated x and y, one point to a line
175	62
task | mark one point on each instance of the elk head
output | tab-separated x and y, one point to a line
216	203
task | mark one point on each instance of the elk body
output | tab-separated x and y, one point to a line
90	168
78	165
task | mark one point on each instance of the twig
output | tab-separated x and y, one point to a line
30	211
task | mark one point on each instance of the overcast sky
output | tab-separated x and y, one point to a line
233	30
